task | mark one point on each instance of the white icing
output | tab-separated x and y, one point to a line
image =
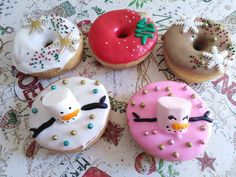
177	107
60	103
84	94
217	59
189	24
26	45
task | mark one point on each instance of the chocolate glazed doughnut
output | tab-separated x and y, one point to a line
197	49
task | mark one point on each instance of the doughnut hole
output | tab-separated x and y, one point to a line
202	43
122	33
51	37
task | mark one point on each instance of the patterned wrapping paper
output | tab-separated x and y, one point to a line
116	153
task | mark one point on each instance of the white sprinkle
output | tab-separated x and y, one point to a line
137	46
133	49
129	21
132	12
132	55
138	54
106	43
144	50
124	40
133	17
126	47
126	16
133	41
118	42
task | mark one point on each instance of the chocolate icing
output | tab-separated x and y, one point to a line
185	50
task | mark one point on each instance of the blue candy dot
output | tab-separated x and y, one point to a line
66	143
34	110
53	87
90	125
95	91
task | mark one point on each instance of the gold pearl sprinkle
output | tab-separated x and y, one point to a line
229	45
220	27
167	89
142	105
202	127
65	81
189	144
170	94
202	62
205	25
156	88
54	137
91	116
83	82
133	103
175	154
145	91
193	96
161	147
97	83
73	132
214	39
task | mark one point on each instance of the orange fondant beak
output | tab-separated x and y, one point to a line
177	126
70	115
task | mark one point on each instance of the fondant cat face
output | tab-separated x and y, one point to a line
173	114
62	104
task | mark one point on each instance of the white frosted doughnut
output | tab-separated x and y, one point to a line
77	118
45	44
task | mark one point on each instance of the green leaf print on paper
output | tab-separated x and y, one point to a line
110	1
170	172
98	10
117	105
138	3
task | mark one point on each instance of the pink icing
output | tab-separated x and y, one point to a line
108	47
150	136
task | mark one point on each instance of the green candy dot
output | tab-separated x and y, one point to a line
34	110
90	125
95	91
53	87
66	143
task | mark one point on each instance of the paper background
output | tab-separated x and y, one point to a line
115	154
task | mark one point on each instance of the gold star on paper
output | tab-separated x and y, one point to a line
66	42
35	25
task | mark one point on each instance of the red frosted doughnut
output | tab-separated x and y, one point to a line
114	41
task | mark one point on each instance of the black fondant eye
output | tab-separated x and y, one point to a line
69	107
62	112
171	117
186	117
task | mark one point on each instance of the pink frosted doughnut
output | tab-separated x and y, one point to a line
122	38
169	120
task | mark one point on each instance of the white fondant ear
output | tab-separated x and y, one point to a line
60	102
172	110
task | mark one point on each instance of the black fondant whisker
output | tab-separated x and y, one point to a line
138	119
100	105
42	127
204	117
135	115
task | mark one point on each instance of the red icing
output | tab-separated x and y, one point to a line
108	47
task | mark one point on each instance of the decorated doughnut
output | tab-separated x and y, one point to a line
169	120
48	46
122	38
70	114
203	52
